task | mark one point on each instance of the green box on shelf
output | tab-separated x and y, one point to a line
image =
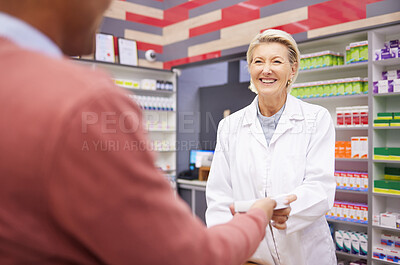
327	59
327	89
365	85
396	115
357	85
300	92
363	48
313	91
340	60
387	184
395	123
340	87
334	88
319	61
348	55
385	115
293	92
313	62
348	87
381	153
381	123
392	173
394	153
307	63
354	52
307	92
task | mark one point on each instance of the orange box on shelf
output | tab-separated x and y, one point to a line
347	149
341	149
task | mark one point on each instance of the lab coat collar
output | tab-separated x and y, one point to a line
290	115
292	111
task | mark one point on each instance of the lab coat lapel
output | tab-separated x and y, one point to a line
255	126
290	115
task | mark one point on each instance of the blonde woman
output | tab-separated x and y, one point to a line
277	145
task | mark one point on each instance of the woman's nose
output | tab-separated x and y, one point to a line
267	68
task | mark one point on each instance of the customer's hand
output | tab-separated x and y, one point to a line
265	204
280	217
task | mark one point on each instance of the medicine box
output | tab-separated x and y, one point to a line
387	240
339	240
389	219
379	253
392	173
363	244
355	243
376	219
397	242
393	255
347	241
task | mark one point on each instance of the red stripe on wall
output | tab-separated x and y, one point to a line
261	3
329	13
232	15
205	28
206	56
144	19
143	46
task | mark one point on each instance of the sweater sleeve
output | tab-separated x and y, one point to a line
106	194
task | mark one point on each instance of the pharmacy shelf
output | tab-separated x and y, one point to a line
391	229
386	161
349	255
391	94
351	159
334	98
346	222
387	62
119	66
148	91
352	128
383	261
386	195
387	128
352	191
344	67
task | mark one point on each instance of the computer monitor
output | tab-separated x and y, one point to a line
196	157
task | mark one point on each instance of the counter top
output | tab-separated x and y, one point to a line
192	182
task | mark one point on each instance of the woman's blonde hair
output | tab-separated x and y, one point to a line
279	36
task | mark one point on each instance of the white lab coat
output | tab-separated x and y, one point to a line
299	160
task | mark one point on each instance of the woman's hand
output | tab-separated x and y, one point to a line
280	217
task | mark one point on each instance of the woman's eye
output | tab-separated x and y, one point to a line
277	62
257	61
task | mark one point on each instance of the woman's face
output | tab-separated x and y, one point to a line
270	69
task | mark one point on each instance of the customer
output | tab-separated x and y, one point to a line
65	200
277	145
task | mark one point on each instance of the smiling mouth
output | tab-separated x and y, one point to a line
267	81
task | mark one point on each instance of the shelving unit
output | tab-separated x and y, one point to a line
349	255
381	137
338	44
160	124
380	261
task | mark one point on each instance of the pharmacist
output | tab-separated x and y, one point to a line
277	145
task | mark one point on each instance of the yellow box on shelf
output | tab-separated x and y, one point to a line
127	83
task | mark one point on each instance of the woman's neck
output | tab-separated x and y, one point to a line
270	105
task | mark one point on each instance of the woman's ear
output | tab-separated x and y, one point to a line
294	69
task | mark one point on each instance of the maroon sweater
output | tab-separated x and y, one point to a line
79	186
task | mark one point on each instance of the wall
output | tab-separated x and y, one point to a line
185	31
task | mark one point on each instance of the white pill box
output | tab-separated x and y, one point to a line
389	219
